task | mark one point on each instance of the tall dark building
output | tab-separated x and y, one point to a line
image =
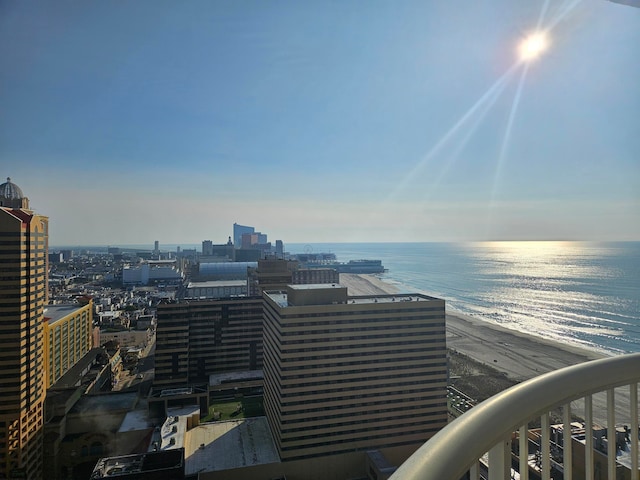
195	339
23	282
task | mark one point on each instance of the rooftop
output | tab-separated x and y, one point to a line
132	464
110	402
317	286
171	434
392	298
230	444
217	283
282	298
75	375
54	313
10	190
220	378
135	420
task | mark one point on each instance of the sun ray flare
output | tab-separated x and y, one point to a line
497	86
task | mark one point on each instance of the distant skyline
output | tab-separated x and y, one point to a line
129	122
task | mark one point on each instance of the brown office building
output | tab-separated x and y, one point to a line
346	374
276	274
23	283
195	339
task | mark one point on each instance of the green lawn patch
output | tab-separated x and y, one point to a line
235	409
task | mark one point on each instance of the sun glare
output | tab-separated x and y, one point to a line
533	46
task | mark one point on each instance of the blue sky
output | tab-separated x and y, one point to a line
129	122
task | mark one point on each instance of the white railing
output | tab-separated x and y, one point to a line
489	427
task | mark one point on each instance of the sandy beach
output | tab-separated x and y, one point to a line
519	356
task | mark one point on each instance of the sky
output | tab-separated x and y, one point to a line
350	121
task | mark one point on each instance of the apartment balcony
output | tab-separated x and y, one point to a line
481	441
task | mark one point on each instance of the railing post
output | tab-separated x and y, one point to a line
523	453
633	438
500	460
588	437
474	471
545	446
567	456
611	434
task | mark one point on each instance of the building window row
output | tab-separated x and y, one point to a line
369	376
383	361
354	353
348	412
370	422
323	401
434	425
321	392
391	330
371	314
356	342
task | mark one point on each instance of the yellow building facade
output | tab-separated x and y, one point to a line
68	337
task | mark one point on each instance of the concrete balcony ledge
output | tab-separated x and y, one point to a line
489	426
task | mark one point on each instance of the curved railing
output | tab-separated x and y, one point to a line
489	426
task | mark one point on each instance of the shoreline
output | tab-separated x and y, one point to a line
517	355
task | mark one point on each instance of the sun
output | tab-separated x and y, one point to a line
534	45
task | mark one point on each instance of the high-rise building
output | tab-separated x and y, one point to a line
207	248
238	231
271	274
67	337
23	281
276	274
222	251
249	240
195	339
344	374
315	275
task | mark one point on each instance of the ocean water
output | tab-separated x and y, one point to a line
586	294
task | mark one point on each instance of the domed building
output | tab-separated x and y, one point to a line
24	241
11	196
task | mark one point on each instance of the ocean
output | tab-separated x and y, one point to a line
581	293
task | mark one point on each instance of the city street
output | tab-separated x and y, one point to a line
142	374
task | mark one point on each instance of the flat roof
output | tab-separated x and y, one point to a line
279	297
174	427
168	392
391	298
315	286
135	420
171	434
229	444
131	465
220	378
218	283
282	299
75	375
108	402
53	313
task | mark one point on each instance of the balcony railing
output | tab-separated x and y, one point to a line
490	426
